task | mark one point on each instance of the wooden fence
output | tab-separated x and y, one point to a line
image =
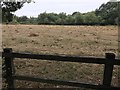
109	61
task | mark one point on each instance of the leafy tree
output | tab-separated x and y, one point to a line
33	20
78	18
52	18
15	20
8	8
74	13
90	18
22	19
109	12
70	20
42	18
62	16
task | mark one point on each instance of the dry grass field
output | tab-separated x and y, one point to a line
67	40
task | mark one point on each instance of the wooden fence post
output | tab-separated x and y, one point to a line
8	68
108	70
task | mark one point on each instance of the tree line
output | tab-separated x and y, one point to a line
107	14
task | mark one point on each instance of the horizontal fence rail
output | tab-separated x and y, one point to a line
109	61
68	83
82	59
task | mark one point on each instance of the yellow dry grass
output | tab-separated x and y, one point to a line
73	40
68	40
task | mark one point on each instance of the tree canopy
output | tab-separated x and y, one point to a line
107	14
8	8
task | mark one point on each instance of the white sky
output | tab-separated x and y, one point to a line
57	6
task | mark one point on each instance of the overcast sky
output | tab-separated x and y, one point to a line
57	6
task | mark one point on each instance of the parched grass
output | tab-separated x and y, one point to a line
67	40
74	40
79	72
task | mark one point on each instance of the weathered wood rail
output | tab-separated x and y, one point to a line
109	61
